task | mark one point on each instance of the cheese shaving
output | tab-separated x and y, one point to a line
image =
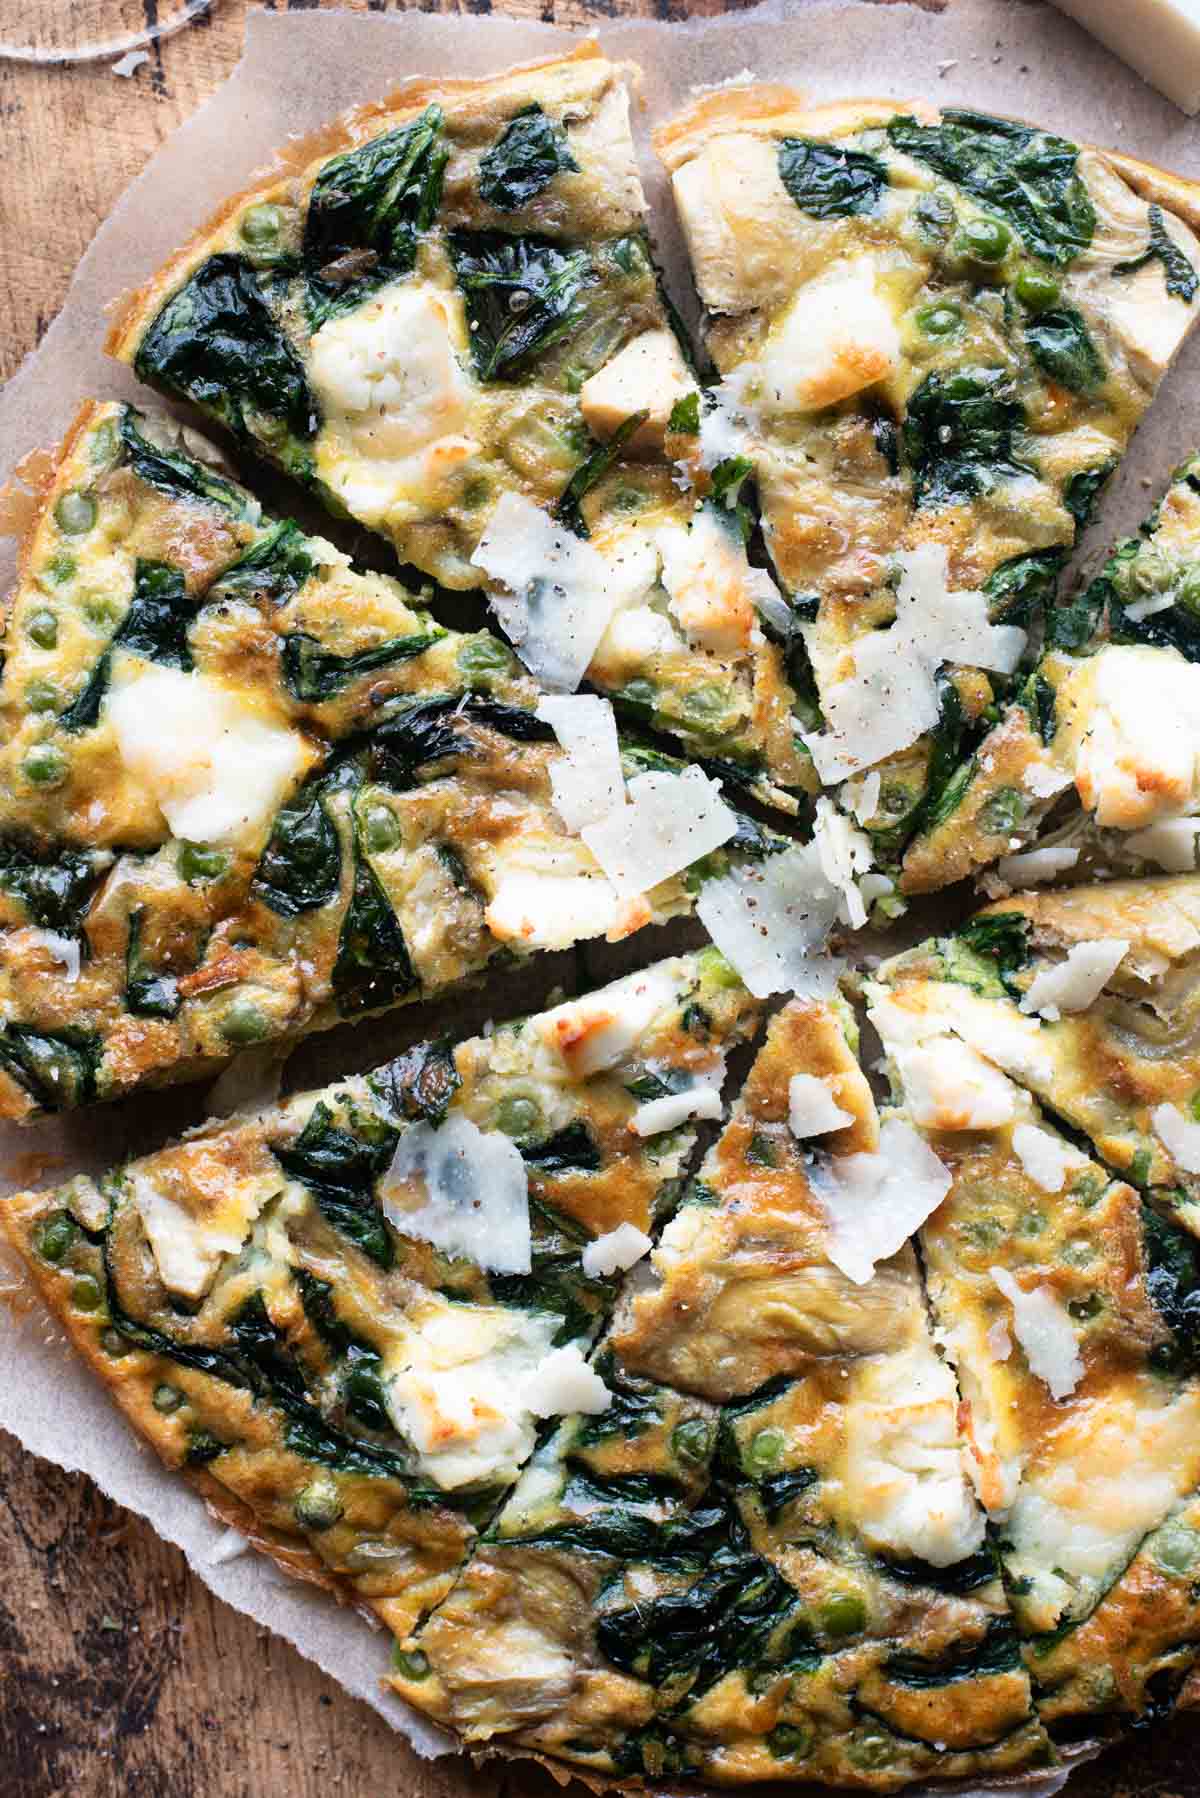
845	852
670	821
586	781
874	1202
1179	1136
948	1086
770	920
1046	1158
1045	1332
564	1382
615	1251
812	1107
464	1190
674	1109
1035	866
1073	984
1170	844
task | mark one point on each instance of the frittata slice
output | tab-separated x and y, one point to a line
1100	756
246	791
770	1564
344	1316
449	325
1088	998
1061	1298
936	332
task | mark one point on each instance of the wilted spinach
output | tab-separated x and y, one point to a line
571	1150
373	966
827	181
1021	589
273	569
340	1169
178	475
419	733
149	993
1081	489
420	1083
522	296
1062	346
56	1068
1173	1286
301	866
958	435
1002	940
155	626
591	471
1178	272
524	160
998	1652
313	674
54	893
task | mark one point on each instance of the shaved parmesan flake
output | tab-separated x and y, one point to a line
875	1202
217	771
891	698
1146	608
1170	844
1073	984
615	1251
564	1382
63	949
947	1086
770	919
812	1108
1035	866
670	821
464	1190
1046	1159
1043	780
1179	1136
1045	1332
999	1342
586	782
845	853
673	1109
561	591
861	797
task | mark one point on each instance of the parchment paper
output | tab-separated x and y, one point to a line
298	71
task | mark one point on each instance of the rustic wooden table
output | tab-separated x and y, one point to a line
120	1675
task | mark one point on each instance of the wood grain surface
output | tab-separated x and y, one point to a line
120	1675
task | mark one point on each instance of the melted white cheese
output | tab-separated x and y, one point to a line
837	337
948	1086
1046	1158
216	770
564	1382
464	1190
189	1244
602	1029
715	594
648	375
1042	1326
1179	1135
1131	723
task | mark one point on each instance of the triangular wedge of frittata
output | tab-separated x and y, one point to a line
1062	1299
765	1560
1088	997
344	1316
1099	758
246	790
449	325
936	332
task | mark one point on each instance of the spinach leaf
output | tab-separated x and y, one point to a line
420	1083
54	893
217	341
418	733
998	1652
777	1490
591	471
148	994
312	674
1062	346
361	1383
1039	700
962	1576
556	1280
273	569
366	211
181	476
57	1069
155	626
373	967
685	414
301	866
657	1752
1021	589
942	789
1028	177
522	295
340	1168
1073	623
1178	272
1081	489
635	1406
571	1150
318	1299
1173	1285
1002	939
532	150
827	181
958	435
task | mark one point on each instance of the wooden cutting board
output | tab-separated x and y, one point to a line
120	1675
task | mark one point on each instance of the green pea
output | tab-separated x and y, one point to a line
714	970
484	654
105	443
940	319
1003	811
42	627
75	513
410	1661
985	239
789	1741
114	1344
45	765
167	1398
1187	588
764	1451
261	224
1176	1548
705	703
40	696
381	829
690	1440
58	569
871	1748
196	861
843	1614
86	1294
100	610
1036	290
243	1023
318	1505
1031	1223
56	1236
518	1115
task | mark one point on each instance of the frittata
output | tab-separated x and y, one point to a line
342	1317
246	790
449	325
936	332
